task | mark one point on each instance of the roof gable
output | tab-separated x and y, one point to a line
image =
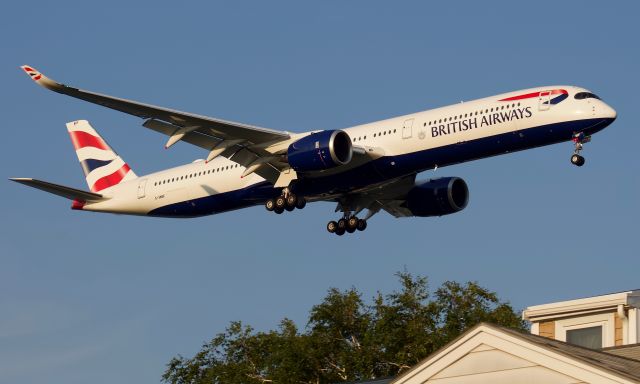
495	354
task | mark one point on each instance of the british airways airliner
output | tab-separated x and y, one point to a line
369	167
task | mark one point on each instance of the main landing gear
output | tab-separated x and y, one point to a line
579	140
347	224
287	201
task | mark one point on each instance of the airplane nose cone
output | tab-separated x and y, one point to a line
608	112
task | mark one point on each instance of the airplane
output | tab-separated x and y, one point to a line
369	167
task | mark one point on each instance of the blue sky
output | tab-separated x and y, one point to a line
105	298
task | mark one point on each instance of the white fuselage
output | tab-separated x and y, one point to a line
399	137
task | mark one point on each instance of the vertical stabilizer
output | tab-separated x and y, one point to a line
102	167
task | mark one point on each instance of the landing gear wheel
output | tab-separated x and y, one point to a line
340	231
362	225
577	160
281	202
278	210
292	200
301	202
332	226
342	225
270	205
289	208
352	224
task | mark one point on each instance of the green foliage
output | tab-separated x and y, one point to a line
345	338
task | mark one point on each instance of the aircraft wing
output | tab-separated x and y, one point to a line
248	143
389	196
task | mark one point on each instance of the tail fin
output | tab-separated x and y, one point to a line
102	167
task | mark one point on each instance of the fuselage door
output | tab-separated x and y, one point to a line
141	188
407	127
544	100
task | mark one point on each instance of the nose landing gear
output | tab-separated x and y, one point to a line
579	140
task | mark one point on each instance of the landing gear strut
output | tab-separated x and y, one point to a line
579	140
287	201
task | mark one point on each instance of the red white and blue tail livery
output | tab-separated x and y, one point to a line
102	167
368	167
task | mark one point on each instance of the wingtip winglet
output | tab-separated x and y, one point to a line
35	75
39	78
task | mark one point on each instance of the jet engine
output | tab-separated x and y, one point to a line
438	197
320	150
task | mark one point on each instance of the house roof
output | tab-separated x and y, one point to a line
582	306
385	380
599	361
619	365
631	351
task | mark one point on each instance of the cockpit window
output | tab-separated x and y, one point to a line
586	95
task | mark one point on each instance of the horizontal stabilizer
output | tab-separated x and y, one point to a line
60	190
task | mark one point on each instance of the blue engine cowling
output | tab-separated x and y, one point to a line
438	197
319	151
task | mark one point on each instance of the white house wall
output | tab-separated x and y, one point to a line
634	326
527	375
496	366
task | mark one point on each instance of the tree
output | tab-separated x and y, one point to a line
345	338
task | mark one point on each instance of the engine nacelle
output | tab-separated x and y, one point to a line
320	151
438	197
